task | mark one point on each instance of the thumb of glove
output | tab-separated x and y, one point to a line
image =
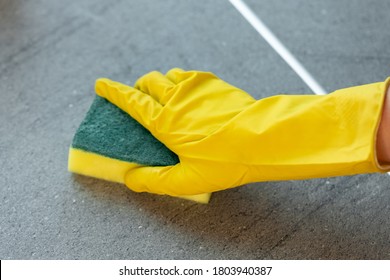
157	179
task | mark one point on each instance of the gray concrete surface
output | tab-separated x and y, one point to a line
52	51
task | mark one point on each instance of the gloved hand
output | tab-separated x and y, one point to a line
225	138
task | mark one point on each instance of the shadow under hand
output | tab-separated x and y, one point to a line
272	220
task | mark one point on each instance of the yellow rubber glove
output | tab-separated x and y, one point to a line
225	138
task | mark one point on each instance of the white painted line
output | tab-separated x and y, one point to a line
275	43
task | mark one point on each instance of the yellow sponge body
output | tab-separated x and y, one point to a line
110	169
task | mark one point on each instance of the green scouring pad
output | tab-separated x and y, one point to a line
109	142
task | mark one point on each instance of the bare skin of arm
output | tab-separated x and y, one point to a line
383	137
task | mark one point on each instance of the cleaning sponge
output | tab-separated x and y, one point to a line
109	142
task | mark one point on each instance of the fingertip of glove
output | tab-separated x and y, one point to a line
100	86
176	70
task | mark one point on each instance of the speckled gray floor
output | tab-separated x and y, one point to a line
52	51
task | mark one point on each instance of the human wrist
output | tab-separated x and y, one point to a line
383	136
